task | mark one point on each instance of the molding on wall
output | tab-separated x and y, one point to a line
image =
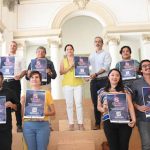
2	27
98	11
127	29
36	33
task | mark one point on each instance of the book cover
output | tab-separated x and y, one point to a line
7	66
146	99
81	66
118	108
34	106
40	65
2	110
127	69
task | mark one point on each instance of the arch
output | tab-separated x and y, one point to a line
94	10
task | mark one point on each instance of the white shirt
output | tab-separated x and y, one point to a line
100	60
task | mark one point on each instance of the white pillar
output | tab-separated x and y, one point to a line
145	47
21	52
113	42
7	38
55	57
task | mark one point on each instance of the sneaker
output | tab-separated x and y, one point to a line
71	127
19	128
81	127
97	127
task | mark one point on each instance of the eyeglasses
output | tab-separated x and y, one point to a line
144	66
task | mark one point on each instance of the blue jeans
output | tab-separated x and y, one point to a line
36	134
144	130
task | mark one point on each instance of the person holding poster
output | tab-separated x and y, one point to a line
139	98
72	87
11	102
117	134
36	131
128	67
14	83
50	69
100	61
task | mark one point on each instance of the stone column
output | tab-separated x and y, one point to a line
7	38
113	42
56	87
145	47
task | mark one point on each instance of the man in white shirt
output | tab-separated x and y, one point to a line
14	83
100	61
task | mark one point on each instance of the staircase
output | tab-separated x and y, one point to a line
62	139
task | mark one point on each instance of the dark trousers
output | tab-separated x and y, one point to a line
118	135
5	139
15	85
95	85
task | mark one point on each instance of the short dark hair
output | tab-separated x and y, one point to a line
41	47
140	65
128	47
35	72
99	38
1	74
67	46
15	43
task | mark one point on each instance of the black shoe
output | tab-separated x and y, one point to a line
19	128
97	127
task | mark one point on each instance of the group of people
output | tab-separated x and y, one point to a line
103	81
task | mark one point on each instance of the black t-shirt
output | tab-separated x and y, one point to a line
10	96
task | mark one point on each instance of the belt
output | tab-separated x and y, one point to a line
101	78
9	80
44	83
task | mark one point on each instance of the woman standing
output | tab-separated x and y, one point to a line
118	134
72	88
37	131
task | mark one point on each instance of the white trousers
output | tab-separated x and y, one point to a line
72	93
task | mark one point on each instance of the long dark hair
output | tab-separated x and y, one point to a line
119	87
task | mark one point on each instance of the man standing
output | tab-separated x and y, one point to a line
6	128
126	57
143	122
51	73
14	83
100	62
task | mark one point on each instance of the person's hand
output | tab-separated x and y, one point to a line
132	123
93	76
9	104
28	73
105	106
17	77
142	108
71	65
86	79
48	71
